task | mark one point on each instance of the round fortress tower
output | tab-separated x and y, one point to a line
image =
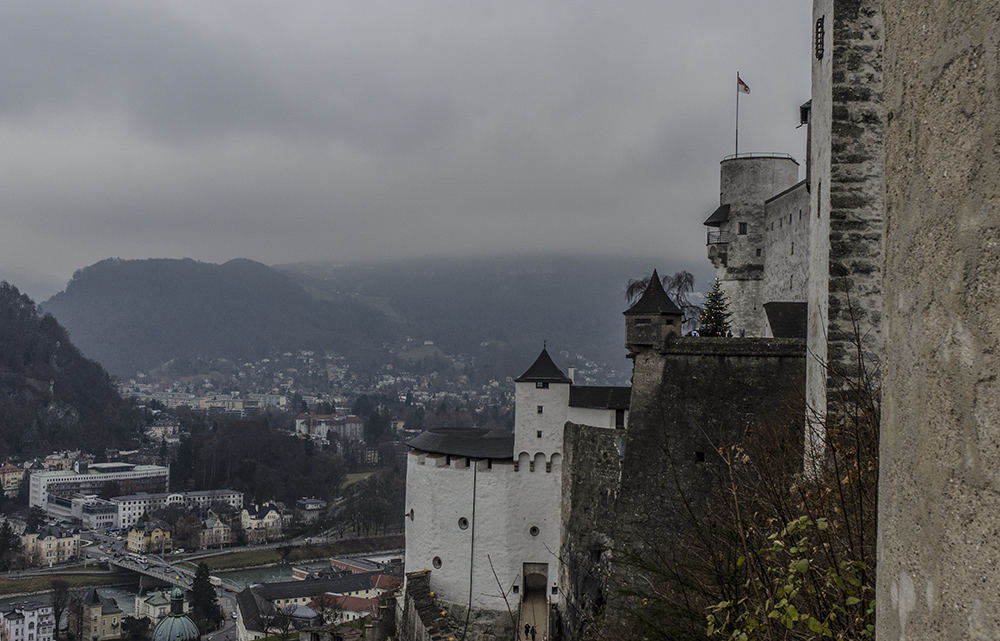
736	245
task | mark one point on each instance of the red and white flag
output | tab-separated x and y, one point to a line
742	86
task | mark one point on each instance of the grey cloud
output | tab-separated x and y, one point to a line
311	130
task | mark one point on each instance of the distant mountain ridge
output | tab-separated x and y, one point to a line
133	315
50	395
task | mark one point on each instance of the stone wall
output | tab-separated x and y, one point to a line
697	396
588	497
419	617
745	183
786	246
939	496
845	276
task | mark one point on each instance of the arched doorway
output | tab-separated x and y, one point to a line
534	602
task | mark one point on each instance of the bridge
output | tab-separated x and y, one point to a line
157	568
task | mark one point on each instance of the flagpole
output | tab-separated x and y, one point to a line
737	114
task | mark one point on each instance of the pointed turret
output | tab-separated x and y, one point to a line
544	370
653	319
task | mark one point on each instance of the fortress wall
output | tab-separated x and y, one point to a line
698	395
588	497
846	187
508	504
939	493
786	246
856	204
745	183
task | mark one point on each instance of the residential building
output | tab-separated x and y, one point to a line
26	622
51	544
150	536
261	522
215	532
155	604
309	510
257	603
132	507
101	617
10	479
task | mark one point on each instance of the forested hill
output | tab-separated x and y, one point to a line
134	315
501	309
51	397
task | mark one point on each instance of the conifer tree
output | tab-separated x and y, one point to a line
715	313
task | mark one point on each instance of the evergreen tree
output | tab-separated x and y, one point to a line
204	603
715	313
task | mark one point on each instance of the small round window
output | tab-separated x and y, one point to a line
436	562
533	530
463	523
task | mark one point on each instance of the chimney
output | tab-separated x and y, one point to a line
572	374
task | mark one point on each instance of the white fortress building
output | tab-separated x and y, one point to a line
484	507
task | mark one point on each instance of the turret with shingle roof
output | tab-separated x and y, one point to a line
653	319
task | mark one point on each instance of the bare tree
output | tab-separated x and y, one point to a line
679	286
60	602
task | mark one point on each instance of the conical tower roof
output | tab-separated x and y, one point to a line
654	300
543	370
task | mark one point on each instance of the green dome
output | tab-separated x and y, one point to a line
176	626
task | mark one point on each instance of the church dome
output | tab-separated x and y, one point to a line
176	626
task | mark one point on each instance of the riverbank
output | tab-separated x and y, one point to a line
302	553
41	584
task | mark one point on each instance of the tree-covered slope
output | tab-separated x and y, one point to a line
50	395
133	315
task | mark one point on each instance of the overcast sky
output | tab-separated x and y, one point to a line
293	131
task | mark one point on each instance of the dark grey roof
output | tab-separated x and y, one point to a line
613	398
311	588
654	300
460	441
787	320
800	184
50	530
543	370
718	217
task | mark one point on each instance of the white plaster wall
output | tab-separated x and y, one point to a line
508	504
819	229
528	422
593	416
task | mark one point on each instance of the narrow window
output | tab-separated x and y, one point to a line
793	248
538	433
539	409
820	33
743	229
517	589
555	589
758	252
